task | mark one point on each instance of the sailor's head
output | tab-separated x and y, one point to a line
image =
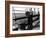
27	13
26	9
30	9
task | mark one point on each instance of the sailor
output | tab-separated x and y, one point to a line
29	15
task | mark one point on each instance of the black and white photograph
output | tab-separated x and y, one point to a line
25	17
28	20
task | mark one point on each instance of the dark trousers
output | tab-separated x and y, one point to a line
30	26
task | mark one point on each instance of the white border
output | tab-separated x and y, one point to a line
31	31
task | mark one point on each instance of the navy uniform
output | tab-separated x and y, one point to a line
29	15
